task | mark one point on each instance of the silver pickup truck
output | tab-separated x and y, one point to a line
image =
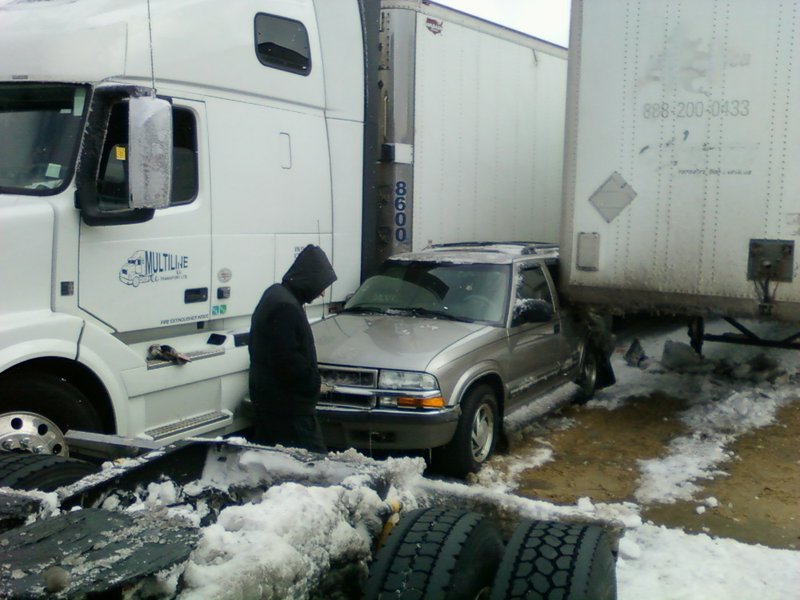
434	350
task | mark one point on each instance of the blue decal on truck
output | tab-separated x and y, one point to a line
150	266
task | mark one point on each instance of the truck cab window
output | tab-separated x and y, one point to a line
112	182
40	131
282	44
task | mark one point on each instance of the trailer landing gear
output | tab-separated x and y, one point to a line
745	337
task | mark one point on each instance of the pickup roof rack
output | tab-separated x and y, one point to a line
524	247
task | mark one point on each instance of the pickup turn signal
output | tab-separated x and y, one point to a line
411	402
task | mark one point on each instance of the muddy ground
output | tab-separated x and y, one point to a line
596	454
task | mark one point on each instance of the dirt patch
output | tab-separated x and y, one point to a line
756	502
597	457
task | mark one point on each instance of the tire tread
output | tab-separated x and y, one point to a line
547	560
26	471
421	556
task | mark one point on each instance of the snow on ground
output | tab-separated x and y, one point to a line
657	563
733	390
728	396
283	537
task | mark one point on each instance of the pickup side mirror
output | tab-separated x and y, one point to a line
533	311
149	152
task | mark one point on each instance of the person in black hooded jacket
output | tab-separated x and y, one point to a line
284	378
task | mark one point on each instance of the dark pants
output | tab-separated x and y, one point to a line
294	431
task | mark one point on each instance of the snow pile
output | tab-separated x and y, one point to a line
282	545
667	564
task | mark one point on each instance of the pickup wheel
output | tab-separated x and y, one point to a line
545	559
587	377
436	553
24	471
476	435
36	410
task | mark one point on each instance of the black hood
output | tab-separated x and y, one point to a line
310	274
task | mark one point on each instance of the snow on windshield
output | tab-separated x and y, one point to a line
475	292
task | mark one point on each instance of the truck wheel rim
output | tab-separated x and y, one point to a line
482	432
31	432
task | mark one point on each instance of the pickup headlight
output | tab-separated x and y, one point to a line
406	380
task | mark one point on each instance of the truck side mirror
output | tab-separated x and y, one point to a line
534	311
149	152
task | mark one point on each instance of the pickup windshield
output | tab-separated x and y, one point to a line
40	129
464	292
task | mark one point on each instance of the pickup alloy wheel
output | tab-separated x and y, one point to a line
36	410
436	553
476	436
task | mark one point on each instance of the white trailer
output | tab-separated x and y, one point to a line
471	125
681	192
162	162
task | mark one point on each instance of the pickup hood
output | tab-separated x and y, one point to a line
387	341
26	253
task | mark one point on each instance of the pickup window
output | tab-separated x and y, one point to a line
282	44
532	289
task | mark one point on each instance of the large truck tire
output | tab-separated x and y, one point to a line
436	553
25	471
476	435
37	409
547	560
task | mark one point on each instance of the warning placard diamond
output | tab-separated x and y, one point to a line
612	197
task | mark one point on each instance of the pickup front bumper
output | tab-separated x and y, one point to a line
385	428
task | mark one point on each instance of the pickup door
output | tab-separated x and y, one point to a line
538	350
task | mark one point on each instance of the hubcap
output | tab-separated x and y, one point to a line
31	432
482	432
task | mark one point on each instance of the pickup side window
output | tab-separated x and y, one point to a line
532	290
282	44
112	181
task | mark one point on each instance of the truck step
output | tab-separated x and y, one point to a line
204	422
157	363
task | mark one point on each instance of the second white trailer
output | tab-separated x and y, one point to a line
682	192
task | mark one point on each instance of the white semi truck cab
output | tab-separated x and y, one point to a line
162	163
149	192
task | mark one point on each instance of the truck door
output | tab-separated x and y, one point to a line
536	349
272	166
151	274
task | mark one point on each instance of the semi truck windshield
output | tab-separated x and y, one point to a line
40	128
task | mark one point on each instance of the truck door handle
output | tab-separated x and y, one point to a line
195	295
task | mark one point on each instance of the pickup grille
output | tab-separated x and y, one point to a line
347	400
349	377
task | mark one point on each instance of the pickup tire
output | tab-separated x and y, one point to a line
41	408
25	471
587	376
545	560
436	553
476	435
